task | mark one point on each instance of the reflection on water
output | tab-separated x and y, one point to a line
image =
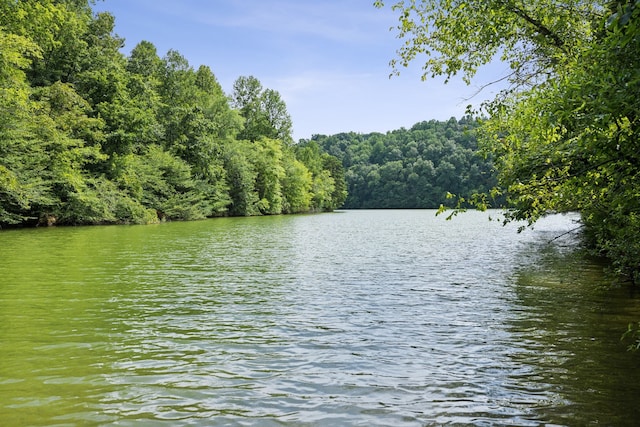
569	321
351	318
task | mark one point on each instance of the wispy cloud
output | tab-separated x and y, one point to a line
340	21
319	81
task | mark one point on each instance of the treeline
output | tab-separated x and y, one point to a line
411	168
89	135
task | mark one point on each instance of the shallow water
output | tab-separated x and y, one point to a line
351	318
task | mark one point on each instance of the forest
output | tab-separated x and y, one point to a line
89	135
417	168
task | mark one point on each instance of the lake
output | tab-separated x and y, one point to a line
351	318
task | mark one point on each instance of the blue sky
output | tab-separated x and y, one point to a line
329	59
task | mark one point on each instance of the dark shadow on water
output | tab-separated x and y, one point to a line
569	316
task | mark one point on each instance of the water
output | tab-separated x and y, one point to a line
356	318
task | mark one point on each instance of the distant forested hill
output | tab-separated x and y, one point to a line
411	168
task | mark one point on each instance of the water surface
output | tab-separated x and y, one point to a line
351	318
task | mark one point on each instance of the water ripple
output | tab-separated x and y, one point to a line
359	318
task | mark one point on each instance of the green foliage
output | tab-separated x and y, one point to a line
565	134
413	168
21	156
632	334
56	28
453	36
241	176
264	111
89	136
269	173
331	165
571	143
70	140
163	183
296	184
328	184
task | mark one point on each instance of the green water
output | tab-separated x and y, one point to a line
350	318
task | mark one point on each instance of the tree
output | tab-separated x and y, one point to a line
565	134
144	61
296	184
264	111
162	183
22	157
142	126
455	36
572	142
270	172
336	171
241	178
328	186
275	110
211	99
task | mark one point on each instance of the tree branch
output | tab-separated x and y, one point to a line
565	233
539	26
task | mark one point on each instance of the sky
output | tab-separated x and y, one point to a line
328	59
